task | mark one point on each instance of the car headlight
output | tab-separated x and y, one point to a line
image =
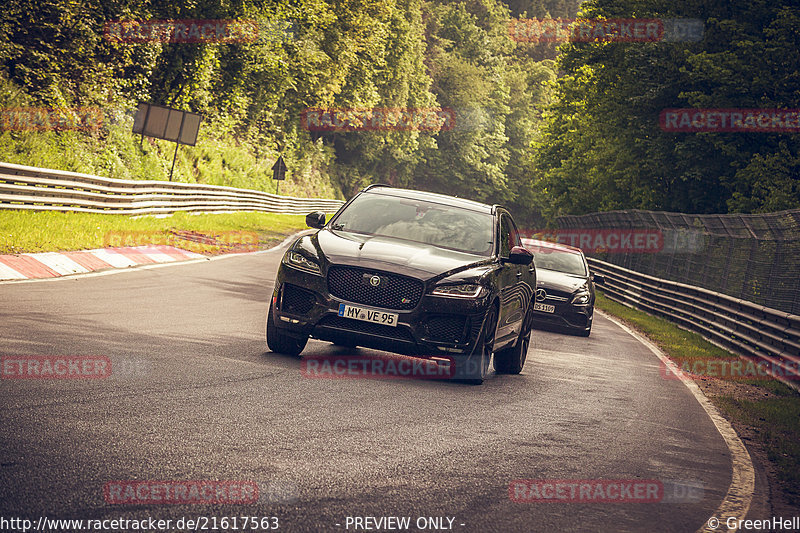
463	290
300	262
581	297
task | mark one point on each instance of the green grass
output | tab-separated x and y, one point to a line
115	152
25	231
774	416
777	424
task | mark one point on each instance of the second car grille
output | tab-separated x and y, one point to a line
391	292
554	295
296	300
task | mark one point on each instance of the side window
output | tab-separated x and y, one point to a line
516	240
509	236
506	236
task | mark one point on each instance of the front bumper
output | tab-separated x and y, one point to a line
566	315
437	327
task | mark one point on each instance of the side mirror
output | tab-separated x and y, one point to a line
597	278
520	256
315	219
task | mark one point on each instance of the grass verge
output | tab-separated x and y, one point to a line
26	231
766	410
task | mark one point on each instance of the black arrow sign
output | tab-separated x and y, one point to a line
279	169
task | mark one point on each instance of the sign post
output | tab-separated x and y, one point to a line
278	173
180	127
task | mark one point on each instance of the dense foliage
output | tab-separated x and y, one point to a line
310	54
603	148
587	142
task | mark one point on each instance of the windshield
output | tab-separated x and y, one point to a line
559	260
440	225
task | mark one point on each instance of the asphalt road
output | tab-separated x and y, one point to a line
199	397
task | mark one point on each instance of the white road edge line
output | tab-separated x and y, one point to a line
737	501
283	243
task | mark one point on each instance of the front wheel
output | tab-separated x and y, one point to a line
585	332
484	348
280	342
511	360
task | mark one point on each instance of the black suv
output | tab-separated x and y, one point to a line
410	272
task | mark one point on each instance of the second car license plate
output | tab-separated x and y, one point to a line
545	308
368	315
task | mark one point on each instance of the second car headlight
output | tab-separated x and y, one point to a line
464	290
300	262
581	297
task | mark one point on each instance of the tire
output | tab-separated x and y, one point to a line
584	332
279	342
511	360
484	347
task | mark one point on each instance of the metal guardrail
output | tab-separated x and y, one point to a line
755	257
23	187
742	327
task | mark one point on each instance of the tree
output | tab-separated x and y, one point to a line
602	147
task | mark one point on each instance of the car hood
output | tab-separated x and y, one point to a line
392	254
550	279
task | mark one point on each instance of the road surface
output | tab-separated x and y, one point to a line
196	395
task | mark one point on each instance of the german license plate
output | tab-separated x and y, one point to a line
368	315
545	308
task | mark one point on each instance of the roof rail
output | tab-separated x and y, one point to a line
375	186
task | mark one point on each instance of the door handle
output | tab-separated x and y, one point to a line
519	273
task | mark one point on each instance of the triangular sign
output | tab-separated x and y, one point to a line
279	169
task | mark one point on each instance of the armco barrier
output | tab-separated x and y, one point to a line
739	326
755	257
23	187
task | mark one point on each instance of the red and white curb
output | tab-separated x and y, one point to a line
57	264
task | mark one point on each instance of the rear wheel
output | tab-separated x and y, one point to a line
280	342
511	360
